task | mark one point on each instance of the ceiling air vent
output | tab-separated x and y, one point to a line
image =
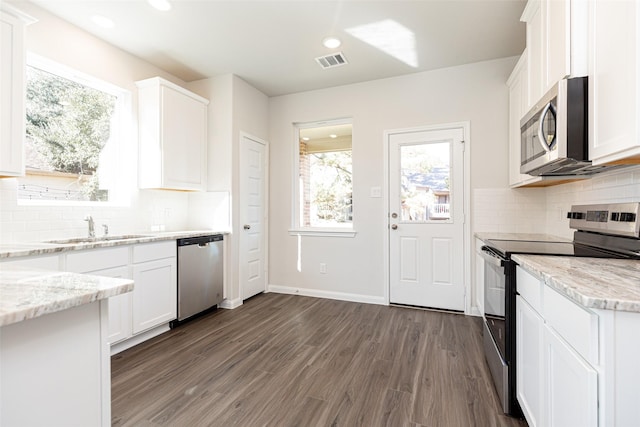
333	60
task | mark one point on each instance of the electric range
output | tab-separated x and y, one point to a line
602	231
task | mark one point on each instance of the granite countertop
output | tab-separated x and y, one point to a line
26	293
535	237
609	284
11	250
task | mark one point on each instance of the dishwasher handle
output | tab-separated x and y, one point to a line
200	240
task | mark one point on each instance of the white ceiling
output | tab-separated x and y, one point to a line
272	44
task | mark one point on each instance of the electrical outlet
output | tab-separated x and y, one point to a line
323	268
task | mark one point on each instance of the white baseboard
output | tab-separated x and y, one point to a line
475	311
138	339
318	293
231	304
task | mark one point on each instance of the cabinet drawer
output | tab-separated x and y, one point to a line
529	288
97	259
577	326
150	251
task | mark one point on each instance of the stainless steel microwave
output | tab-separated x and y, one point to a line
554	133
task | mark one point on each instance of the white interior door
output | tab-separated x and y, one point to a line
426	218
252	216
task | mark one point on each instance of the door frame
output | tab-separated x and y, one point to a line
466	248
265	212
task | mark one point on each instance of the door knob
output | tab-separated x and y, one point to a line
247	227
394	226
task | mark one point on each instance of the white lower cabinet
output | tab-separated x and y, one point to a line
571	385
154	295
153	268
529	362
556	385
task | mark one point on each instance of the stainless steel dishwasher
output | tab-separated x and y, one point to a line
200	268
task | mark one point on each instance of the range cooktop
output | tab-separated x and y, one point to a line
508	247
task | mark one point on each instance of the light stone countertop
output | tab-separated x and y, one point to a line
13	250
27	293
535	237
609	284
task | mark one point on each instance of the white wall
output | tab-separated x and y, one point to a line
234	107
476	93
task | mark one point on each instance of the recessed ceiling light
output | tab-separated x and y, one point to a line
103	21
331	42
305	138
333	135
162	5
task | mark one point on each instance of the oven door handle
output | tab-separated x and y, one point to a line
491	257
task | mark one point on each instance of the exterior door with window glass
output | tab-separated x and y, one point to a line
426	218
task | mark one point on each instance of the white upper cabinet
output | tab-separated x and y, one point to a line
614	73
518	104
12	76
173	136
556	43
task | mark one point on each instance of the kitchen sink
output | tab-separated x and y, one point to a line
78	240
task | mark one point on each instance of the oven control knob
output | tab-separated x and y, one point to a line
575	215
627	217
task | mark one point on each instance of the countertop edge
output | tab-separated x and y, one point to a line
39	293
44	248
559	281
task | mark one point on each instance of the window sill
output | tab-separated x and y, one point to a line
319	232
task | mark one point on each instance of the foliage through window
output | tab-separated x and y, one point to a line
325	176
72	126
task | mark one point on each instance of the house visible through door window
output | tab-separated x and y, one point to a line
325	175
73	129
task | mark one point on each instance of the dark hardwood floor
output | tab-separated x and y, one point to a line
282	360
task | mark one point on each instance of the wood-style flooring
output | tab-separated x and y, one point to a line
283	360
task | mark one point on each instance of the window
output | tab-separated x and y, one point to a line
325	176
74	126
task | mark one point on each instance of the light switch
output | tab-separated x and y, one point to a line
376	192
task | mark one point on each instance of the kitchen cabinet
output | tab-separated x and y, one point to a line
556	43
529	358
12	92
155	293
614	88
571	385
557	357
111	262
153	268
518	106
172	136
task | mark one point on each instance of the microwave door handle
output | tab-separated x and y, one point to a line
542	139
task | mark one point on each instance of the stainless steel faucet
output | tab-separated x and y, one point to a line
105	228
92	231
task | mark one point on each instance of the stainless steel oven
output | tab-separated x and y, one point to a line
603	231
499	281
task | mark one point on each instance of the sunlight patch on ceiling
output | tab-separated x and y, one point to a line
389	36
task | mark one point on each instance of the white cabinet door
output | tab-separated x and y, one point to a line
571	392
557	41
12	113
110	262
184	136
535	54
613	81
173	136
529	362
154	294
